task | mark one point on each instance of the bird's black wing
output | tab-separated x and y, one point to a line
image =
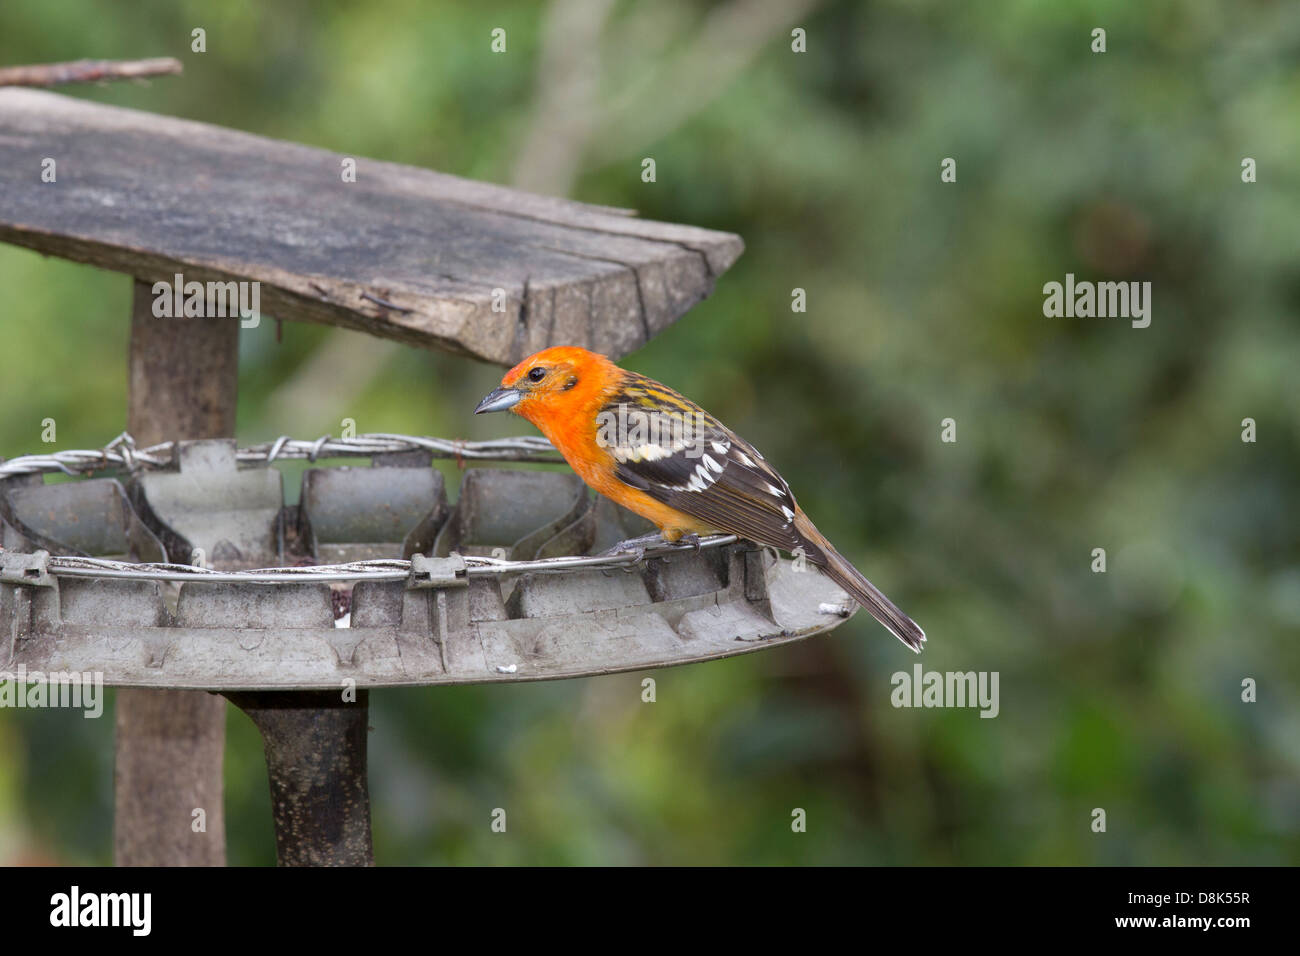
692	462
668	447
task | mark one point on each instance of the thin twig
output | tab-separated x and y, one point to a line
87	71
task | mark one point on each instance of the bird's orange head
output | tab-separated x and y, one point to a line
553	386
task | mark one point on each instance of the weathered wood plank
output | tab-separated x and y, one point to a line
152	196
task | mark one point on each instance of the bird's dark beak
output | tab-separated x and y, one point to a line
498	400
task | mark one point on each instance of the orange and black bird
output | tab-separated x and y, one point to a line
660	455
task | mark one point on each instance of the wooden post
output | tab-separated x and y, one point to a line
316	763
170	743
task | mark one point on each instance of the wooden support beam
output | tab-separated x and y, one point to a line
315	745
171	743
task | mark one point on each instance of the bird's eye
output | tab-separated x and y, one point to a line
536	374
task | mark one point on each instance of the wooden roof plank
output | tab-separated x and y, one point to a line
152	196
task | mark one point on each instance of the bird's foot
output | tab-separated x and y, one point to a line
693	540
634	546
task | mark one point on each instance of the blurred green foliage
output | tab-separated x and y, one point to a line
1118	690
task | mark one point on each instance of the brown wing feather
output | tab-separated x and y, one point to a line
702	468
718	478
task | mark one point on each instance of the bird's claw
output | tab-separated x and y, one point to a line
622	548
693	540
633	546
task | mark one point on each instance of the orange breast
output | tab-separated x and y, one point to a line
598	474
569	421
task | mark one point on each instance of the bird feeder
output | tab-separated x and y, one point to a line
376	578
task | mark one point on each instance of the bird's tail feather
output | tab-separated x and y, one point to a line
839	570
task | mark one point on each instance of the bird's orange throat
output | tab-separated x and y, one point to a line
568	419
